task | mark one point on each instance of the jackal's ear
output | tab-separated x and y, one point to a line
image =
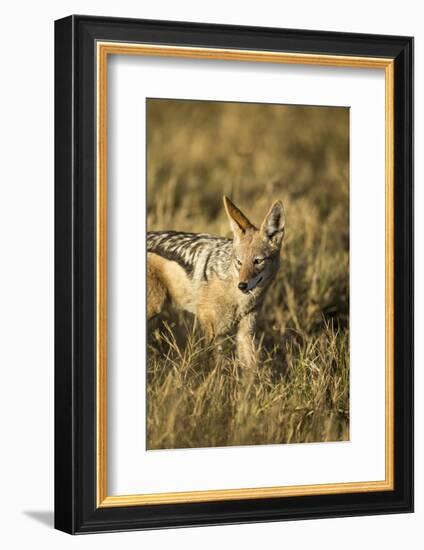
273	224
238	221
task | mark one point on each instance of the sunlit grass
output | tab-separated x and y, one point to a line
299	392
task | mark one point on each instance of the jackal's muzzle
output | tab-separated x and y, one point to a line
251	283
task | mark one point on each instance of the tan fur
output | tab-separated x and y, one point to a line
231	300
216	307
156	290
165	280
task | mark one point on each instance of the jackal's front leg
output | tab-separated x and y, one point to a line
247	351
212	340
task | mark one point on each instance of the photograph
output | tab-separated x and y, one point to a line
247	277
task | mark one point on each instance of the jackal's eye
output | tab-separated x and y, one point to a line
258	261
238	262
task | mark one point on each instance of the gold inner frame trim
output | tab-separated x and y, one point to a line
104	49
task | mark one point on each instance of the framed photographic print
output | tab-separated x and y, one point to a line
234	274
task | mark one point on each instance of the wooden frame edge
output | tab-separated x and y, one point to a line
389	269
101	269
243	494
103	49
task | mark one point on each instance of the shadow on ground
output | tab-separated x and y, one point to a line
46	517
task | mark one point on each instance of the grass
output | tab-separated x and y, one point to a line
198	151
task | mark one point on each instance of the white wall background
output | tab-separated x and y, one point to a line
26	272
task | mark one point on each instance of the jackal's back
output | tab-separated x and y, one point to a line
201	255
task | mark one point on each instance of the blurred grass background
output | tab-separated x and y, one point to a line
254	153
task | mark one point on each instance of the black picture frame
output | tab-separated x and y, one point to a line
76	510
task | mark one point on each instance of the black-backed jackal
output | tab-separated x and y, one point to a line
222	281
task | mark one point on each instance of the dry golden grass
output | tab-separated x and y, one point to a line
198	151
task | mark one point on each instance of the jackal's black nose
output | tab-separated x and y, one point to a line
242	286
